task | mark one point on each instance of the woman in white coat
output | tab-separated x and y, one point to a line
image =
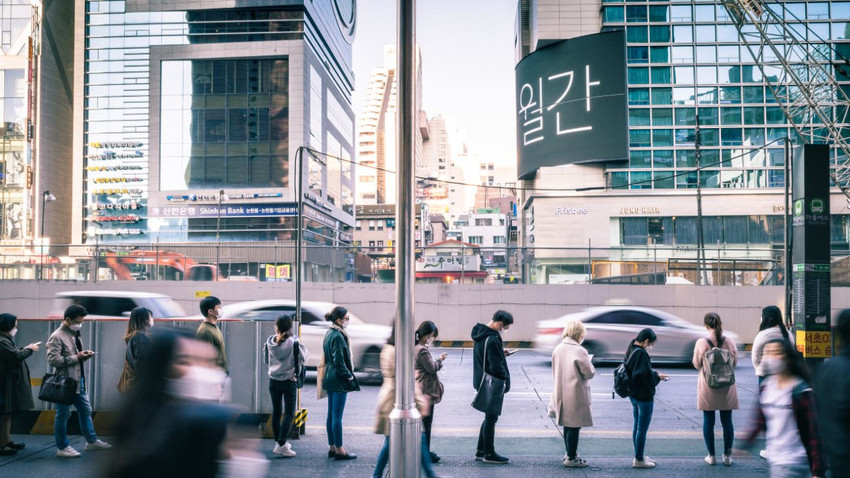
570	402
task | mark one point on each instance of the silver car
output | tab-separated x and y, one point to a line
611	329
367	340
109	304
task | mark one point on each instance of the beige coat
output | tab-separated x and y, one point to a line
386	396
715	398
571	370
61	345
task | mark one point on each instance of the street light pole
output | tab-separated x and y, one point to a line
218	234
45	197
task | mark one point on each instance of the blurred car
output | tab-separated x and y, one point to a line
367	340
610	330
103	304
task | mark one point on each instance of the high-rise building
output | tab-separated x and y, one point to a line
192	116
689	75
376	132
444	168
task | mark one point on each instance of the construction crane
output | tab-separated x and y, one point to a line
797	65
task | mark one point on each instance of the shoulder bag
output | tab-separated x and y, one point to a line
58	388
300	370
491	391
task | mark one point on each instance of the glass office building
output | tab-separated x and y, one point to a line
692	83
193	114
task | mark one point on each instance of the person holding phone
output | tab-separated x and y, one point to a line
427	379
15	390
65	352
642	382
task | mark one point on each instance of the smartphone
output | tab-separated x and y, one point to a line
38	343
668	378
512	351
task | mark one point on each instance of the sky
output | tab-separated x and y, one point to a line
467	64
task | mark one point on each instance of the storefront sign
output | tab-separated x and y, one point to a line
570	211
376	210
278	273
814	344
640	210
237	210
448	263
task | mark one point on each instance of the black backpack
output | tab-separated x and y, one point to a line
621	379
300	370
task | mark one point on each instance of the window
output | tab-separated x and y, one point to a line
499	240
357	225
371	225
636	14
484	221
476	239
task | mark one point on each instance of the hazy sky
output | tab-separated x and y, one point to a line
467	64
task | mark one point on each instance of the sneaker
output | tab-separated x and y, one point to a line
68	452
7	451
496	459
645	463
575	463
711	460
435	458
727	460
285	451
763	454
97	445
479	455
16	446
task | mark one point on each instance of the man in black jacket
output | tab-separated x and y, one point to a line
497	366
833	399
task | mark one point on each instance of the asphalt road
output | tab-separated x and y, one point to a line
524	432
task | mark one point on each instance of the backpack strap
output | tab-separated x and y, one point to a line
710	343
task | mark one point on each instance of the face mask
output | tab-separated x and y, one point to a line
343	324
199	383
430	341
13	331
772	366
75	327
150	322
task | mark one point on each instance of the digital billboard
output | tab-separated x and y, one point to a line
571	103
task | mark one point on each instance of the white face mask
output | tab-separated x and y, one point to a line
150	322
13	332
199	383
430	341
772	366
75	327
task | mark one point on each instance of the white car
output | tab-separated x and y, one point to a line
611	328
108	304
367	340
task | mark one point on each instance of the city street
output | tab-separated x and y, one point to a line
524	432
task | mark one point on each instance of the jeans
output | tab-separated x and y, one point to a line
790	471
571	442
287	391
487	434
63	412
384	458
426	426
336	407
643	415
708	430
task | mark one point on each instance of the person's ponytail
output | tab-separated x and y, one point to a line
713	322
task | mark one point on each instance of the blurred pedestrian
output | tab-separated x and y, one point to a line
15	389
65	352
787	414
711	399
488	347
137	340
209	332
771	327
833	391
642	382
386	402
279	354
570	401
172	424
338	379
427	379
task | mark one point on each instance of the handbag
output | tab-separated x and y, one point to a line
300	369
127	374
58	388
491	391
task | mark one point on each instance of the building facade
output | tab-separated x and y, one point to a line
689	75
193	119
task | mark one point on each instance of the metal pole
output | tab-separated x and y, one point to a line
405	419
787	230
41	239
218	235
299	164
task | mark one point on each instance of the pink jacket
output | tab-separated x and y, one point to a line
715	398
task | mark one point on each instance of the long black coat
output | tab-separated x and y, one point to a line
15	390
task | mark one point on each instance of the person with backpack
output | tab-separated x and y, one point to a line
285	357
642	382
716	357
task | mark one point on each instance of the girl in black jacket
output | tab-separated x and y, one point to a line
642	382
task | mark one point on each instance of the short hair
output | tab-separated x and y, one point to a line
74	311
842	327
208	303
7	322
503	317
575	330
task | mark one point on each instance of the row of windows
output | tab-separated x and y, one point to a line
711	13
645	138
719	158
706	95
743	179
704	75
708	116
639	54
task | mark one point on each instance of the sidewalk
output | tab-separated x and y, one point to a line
533	457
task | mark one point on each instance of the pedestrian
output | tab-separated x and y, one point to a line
833	387
136	338
570	401
710	399
338	379
209	332
65	352
386	402
642	382
279	354
427	380
771	327
15	389
172	424
488	343
787	414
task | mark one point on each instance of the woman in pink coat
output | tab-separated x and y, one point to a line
570	401
709	399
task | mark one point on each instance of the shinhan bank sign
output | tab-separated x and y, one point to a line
571	103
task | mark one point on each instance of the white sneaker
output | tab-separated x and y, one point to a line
763	454
645	463
68	452
575	463
727	460
98	445
711	460
285	450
